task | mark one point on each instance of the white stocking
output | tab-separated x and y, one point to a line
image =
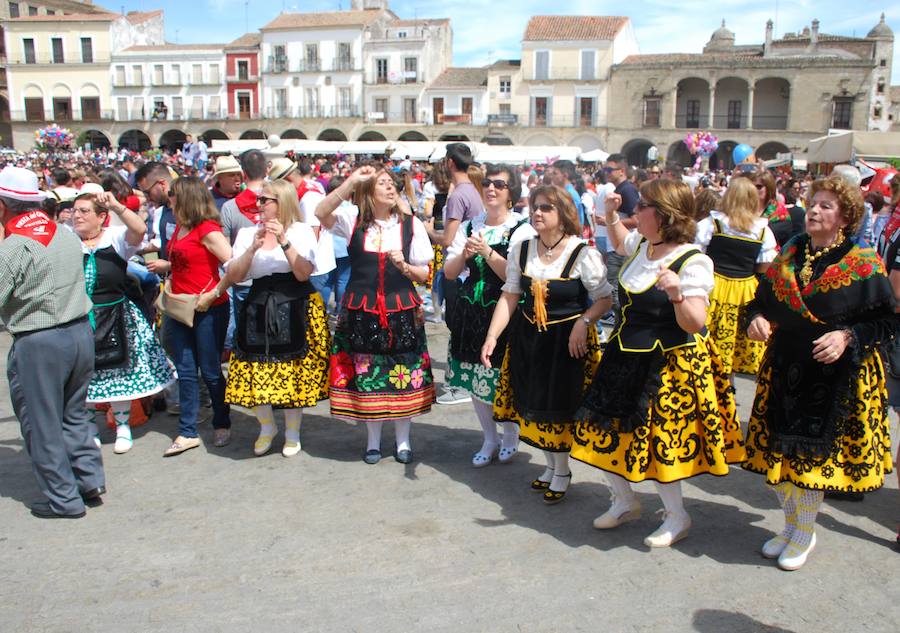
401	432
671	497
292	419
622	494
562	474
266	417
787	497
510	434
121	412
373	430
808	504
485	413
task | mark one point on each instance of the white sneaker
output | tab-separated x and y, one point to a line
453	395
673	529
122	445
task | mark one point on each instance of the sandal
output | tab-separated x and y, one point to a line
555	496
539	485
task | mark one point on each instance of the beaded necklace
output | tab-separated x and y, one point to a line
806	272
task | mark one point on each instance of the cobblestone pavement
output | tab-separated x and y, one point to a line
217	540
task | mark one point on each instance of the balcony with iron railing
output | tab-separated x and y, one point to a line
732	122
557	73
395	79
48	59
238	78
277	65
302	112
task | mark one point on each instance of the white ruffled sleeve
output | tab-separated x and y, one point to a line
704	233
241	243
769	247
303	240
119	243
513	284
420	251
592	273
344	220
632	240
521	234
459	240
696	277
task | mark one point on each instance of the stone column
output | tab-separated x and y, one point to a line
712	107
750	92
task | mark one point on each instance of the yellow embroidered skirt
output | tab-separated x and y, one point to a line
290	384
691	426
860	459
553	435
726	305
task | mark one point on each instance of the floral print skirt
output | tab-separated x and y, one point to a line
379	386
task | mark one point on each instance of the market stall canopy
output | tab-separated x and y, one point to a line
594	156
846	146
416	150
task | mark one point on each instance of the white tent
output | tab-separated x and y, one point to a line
845	146
376	148
594	156
416	150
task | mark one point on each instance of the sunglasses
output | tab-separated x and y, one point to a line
609	170
500	185
261	200
544	208
759	187
645	204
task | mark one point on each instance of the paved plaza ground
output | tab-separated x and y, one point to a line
218	540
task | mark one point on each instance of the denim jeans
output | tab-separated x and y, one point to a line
334	281
237	294
614	262
200	346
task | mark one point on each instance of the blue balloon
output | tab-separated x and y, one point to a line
740	153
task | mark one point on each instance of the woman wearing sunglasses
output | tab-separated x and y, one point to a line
553	346
481	245
660	406
282	341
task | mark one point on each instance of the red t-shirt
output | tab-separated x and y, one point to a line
194	268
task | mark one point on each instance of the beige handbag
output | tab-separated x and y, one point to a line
178	306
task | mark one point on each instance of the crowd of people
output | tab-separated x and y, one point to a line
594	313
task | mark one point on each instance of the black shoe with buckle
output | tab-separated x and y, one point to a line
539	485
372	456
555	496
404	457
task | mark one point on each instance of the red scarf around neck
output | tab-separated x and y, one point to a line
33	224
246	203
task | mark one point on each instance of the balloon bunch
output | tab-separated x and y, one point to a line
701	144
53	137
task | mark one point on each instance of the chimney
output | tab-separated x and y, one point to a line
768	46
814	35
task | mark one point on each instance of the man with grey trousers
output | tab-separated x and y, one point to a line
44	306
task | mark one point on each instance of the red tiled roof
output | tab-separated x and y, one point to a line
574	27
328	18
247	40
136	17
461	78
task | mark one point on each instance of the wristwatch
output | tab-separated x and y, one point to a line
587	321
285	246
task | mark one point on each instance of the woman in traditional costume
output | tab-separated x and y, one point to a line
553	346
741	245
380	368
129	362
481	245
820	417
660	406
280	360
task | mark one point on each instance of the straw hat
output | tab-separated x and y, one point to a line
227	164
281	167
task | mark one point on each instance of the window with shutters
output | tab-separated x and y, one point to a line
542	65
28	50
56	45
842	113
588	65
651	112
90	108
34	109
87	50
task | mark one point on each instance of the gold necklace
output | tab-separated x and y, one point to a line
806	271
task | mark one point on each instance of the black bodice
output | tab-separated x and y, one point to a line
565	298
733	257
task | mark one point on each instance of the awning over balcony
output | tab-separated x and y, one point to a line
846	146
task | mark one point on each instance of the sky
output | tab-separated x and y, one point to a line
487	30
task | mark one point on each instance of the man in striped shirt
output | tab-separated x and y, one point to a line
44	306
